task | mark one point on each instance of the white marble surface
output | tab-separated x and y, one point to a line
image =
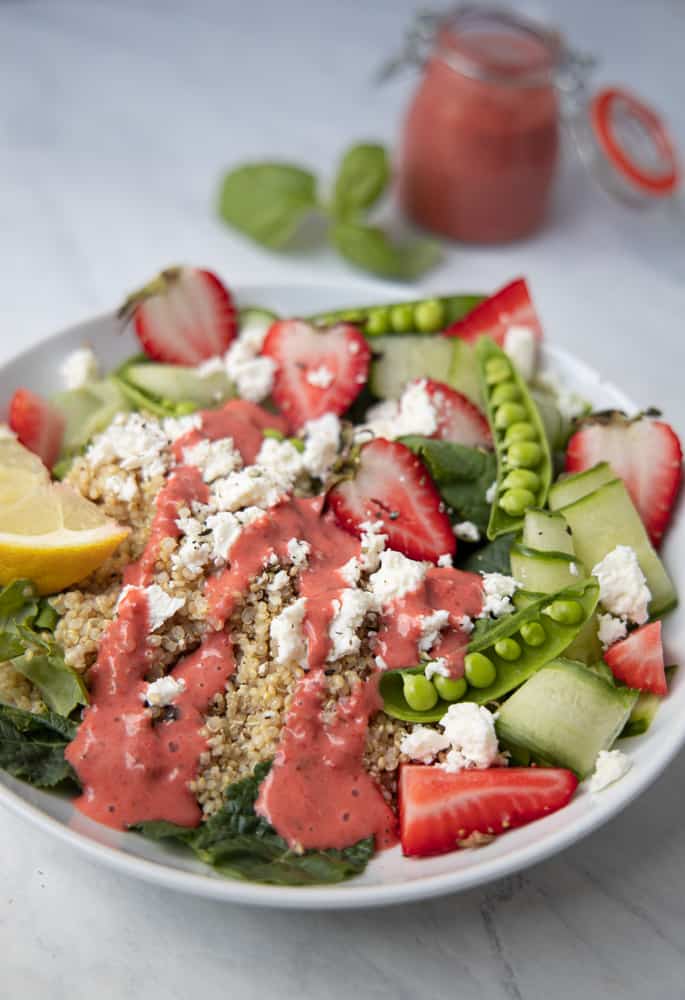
115	121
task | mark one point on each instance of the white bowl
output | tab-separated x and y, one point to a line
390	878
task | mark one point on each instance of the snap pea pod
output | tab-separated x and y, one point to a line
515	647
524	463
420	316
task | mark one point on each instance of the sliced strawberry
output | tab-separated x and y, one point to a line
439	811
638	660
392	485
645	453
458	419
38	424
511	306
183	316
318	371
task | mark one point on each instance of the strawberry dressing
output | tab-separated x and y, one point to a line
240	420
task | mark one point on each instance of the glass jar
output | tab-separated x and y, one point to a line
480	142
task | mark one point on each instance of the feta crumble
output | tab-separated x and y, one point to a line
414	413
431	627
471	731
610	629
623	588
298	552
465	624
160	607
288	644
611	766
569	403
321	445
79	368
163	691
214	459
349	614
423	744
395	577
351	571
498	590
491	492
176	427
438	667
521	346
249	487
321	377
373	545
445	561
281	460
252	374
133	442
466	531
124	488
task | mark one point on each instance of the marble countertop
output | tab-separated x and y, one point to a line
116	121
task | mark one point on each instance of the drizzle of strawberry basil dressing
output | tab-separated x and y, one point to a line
400	630
242	421
132	768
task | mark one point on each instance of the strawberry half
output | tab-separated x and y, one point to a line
638	660
392	485
645	453
183	316
439	811
318	371
459	420
511	306
38	424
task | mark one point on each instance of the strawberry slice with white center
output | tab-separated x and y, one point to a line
512	306
439	811
458	419
183	316
318	371
645	453
392	485
638	660
38	424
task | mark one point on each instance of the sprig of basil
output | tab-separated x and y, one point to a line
370	248
363	176
267	201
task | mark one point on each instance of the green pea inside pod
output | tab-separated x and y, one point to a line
419	692
395	684
378	322
402	318
429	316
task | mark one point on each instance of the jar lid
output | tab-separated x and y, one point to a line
634	142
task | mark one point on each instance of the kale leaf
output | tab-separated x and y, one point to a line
32	746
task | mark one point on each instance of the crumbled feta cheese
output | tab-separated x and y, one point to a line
133	442
321	444
423	744
349	614
249	487
610	629
225	528
465	624
320	378
434	667
396	577
445	560
611	766
79	368
569	403
160	606
214	459
252	374
351	571
380	663
281	460
498	590
470	730
298	551
466	531
288	644
623	588
176	427
521	346
414	413
124	488
212	366
373	545
491	492
279	582
192	556
431	627
164	691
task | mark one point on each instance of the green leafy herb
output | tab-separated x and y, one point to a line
32	746
239	843
26	624
267	201
370	248
491	558
362	178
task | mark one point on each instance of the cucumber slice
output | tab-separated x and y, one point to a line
179	383
586	647
87	411
644	712
556	428
546	532
255	320
566	715
568	489
463	371
606	518
399	359
543	572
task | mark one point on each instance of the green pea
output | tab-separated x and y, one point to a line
522	431
521	479
524	454
402	318
505	392
185	407
516	502
297	443
565	612
378	322
419	693
497	370
508	649
429	316
271	432
450	689
508	414
533	634
479	670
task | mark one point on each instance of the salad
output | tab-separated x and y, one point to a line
290	590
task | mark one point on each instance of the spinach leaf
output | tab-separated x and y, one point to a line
462	474
362	178
370	248
267	201
32	746
239	843
491	558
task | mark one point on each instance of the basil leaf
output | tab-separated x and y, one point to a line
267	201
32	746
239	843
362	178
370	248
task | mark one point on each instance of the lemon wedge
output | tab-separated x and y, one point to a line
49	533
